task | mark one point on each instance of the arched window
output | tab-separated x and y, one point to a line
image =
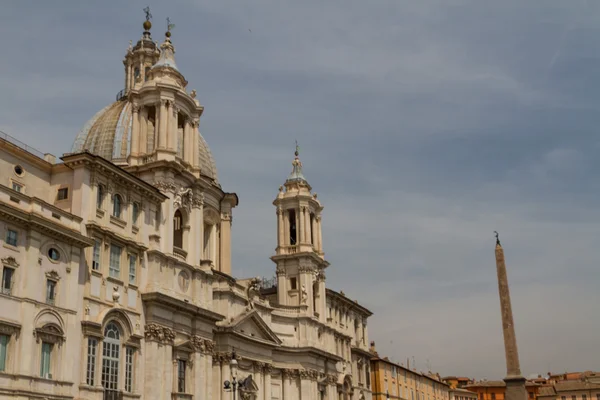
178	230
117	206
111	352
100	196
146	73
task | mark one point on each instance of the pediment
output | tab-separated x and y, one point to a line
253	326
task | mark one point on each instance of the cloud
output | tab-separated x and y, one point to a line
424	126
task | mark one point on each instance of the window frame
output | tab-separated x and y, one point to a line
135	213
92	355
96	262
111	366
100	194
112	271
129	369
181	375
4	341
117	203
64	190
19	185
51	288
9	240
132	268
3	289
46	360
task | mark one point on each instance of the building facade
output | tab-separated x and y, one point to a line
496	390
570	390
116	266
390	380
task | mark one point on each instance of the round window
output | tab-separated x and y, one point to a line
18	170
53	254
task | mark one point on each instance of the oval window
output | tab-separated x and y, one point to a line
18	170
53	254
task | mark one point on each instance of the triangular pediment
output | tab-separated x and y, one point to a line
251	325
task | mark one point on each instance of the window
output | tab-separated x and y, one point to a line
3	351
7	280
53	254
292	221
111	349
583	396
96	255
177	230
18	170
91	361
100	196
50	291
129	353
116	206
293	284
146	73
17	187
45	360
63	194
115	261
493	396
12	237
132	264
181	376
135	212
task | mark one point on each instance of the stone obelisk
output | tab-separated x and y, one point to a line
515	382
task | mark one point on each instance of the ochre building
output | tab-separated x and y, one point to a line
117	279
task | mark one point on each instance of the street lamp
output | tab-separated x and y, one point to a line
233	385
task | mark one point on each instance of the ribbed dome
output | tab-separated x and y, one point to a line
108	134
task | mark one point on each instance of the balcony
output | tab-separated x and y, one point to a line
180	253
112	395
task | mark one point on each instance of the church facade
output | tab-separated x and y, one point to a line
116	267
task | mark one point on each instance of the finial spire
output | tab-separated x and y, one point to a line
297	152
296	174
147	23
497	239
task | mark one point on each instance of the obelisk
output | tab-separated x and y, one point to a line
515	383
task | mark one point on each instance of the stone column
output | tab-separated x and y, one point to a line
515	382
171	127
313	228
143	144
318	234
286	376
286	228
135	131
195	143
199	370
174	374
187	142
208	363
197	228
300	225
162	125
225	245
280	229
281	285
307	225
267	379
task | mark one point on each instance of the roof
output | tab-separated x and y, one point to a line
569	386
546	391
495	384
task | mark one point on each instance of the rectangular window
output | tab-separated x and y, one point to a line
50	291
135	212
45	360
17	187
96	255
3	351
129	353
181	376
7	280
100	196
91	361
115	261
132	265
12	237
293	285
63	194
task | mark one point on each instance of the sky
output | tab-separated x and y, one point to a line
423	126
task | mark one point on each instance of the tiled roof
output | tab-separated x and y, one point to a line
569	386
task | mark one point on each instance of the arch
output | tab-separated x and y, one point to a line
48	317
211	216
178	224
121	318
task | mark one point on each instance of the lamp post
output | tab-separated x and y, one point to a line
233	385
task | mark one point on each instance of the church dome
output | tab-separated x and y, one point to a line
108	134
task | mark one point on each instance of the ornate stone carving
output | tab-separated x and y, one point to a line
198	200
160	334
268	368
304	294
53	275
305	268
6	329
49	334
280	270
10	261
193	94
184	199
165	186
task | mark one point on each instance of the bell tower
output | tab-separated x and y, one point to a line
299	254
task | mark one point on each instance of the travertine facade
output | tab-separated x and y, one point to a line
117	278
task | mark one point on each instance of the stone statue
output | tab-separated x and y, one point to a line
304	294
254	285
183	199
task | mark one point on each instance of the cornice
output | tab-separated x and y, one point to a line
46	226
182	306
37	200
122	176
349	303
25	155
93	226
